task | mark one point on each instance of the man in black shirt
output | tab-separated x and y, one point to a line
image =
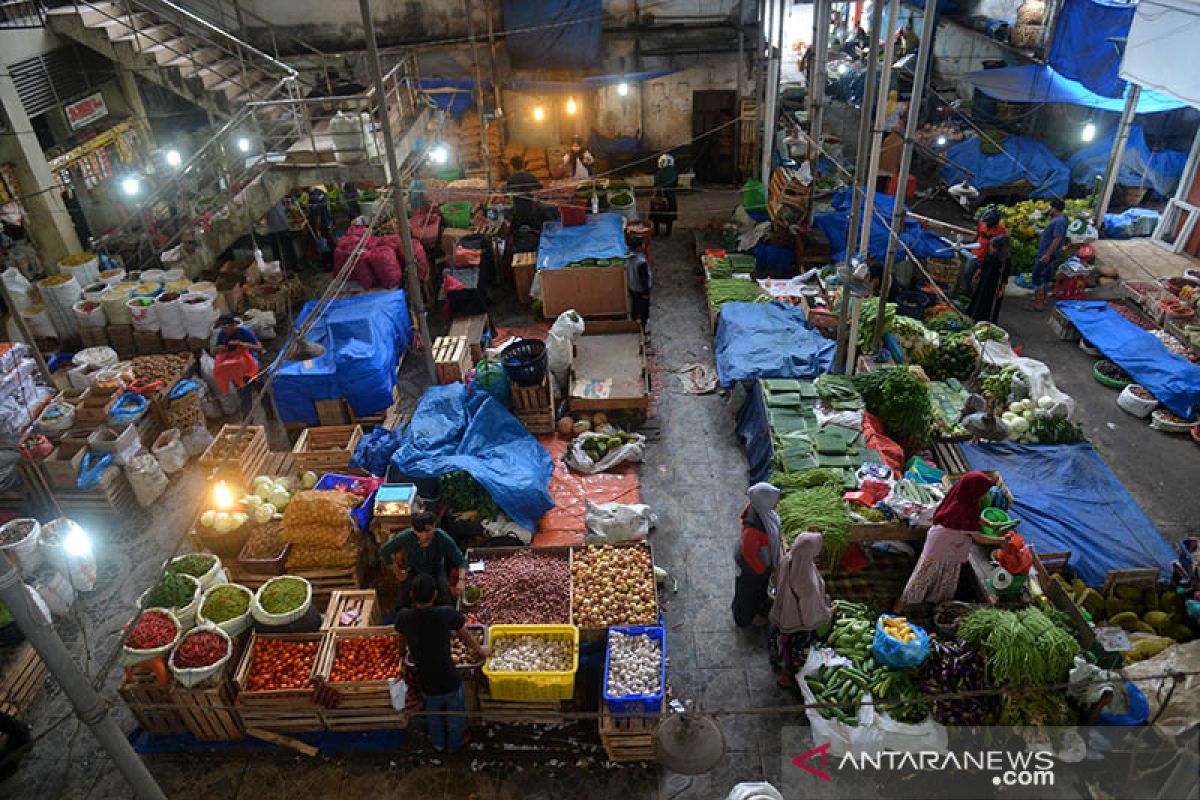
521	185
425	629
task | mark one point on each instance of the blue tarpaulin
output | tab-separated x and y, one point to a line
601	236
1022	159
453	430
769	340
454	95
754	432
1173	380
1035	83
836	225
1140	166
1089	40
1068	499
363	337
553	34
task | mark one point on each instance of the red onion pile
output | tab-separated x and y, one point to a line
524	588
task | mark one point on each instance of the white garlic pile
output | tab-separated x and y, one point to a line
634	664
531	654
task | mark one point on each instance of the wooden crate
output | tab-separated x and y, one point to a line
278	710
112	496
590	291
452	357
248	463
627	739
473	327
151	702
147	344
93	337
175	345
327	449
547	712
208	709
360	705
341	599
21	679
534	405
608	369
524	268
325	581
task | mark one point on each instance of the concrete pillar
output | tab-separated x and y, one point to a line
129	88
47	221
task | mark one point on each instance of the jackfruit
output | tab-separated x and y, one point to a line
1180	633
1170	601
1114	605
1141	627
1158	620
1147	648
1124	619
1150	600
1093	603
1126	592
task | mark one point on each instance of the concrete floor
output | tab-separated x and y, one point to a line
694	478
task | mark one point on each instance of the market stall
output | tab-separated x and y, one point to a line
582	267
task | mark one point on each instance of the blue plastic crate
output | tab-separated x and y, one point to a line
638	703
366	509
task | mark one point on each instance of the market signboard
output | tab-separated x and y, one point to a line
89	109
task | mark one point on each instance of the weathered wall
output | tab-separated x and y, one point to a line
958	51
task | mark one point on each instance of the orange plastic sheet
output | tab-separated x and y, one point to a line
563	524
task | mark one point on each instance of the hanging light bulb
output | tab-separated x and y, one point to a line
243	144
222	496
623	89
571	106
131	186
1089	132
842	69
539	113
941	141
174	158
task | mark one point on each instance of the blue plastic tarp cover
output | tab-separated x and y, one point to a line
1140	166
454	95
1173	380
1022	159
1068	499
364	337
1035	83
453	430
553	34
754	432
601	236
769	340
835	224
1089	41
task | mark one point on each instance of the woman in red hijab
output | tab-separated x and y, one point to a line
948	543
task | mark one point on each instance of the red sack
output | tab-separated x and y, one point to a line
892	453
235	367
384	265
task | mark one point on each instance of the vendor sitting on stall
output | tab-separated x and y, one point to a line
425	549
521	185
231	338
578	160
426	631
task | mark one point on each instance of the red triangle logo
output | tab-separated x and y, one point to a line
802	759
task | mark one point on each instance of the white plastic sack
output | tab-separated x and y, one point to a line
207	362
146	478
611	523
398	691
169	450
56	591
18	287
1033	373
904	737
197	440
578	459
842	738
261	322
843	418
503	526
560	344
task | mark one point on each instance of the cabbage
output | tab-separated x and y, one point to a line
239	519
251	500
284	484
260	480
263	514
264	490
1019	426
208	519
279	499
1046	402
309	479
223	522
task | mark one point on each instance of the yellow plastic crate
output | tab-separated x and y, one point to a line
533	685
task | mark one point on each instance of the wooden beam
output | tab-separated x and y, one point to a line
283	741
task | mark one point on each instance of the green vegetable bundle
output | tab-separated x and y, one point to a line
868	312
954	357
842	687
1023	648
175	590
808	478
838	392
900	399
731	290
819	509
852	637
1055	430
997	384
899	695
460	492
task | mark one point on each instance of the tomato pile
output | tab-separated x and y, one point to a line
281	665
366	658
200	650
154	629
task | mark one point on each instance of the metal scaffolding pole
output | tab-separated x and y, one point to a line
89	706
920	76
491	33
881	101
817	75
771	102
860	152
1118	153
399	190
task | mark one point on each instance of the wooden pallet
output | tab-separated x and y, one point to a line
534	405
630	739
112	496
151	702
360	705
326	449
547	712
21	679
208	709
277	710
524	268
473	327
248	463
451	357
365	600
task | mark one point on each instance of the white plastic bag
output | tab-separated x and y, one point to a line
146	478
846	418
262	323
398	690
197	440
207	363
560	344
57	592
906	737
578	459
169	450
610	523
842	738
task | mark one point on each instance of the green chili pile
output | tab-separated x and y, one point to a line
283	595
194	564
225	603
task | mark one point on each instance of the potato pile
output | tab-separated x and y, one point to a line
613	586
319	527
159	368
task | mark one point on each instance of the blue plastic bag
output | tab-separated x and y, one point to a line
129	407
891	652
1138	713
92	469
374	451
183	387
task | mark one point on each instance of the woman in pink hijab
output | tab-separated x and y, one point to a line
801	606
948	543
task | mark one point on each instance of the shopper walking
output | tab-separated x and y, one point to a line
994	272
801	607
425	549
664	203
279	232
637	276
755	555
948	543
426	630
1050	246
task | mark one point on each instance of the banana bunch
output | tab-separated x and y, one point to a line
898	628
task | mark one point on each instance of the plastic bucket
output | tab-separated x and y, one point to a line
525	361
457	214
24	552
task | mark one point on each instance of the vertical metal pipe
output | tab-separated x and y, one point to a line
400	191
741	69
1118	153
491	33
772	99
483	137
819	75
920	76
89	706
881	101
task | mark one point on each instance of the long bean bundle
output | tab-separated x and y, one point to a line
819	509
1023	648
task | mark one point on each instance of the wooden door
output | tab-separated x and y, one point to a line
713	113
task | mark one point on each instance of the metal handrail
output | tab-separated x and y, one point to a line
243	13
238	43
